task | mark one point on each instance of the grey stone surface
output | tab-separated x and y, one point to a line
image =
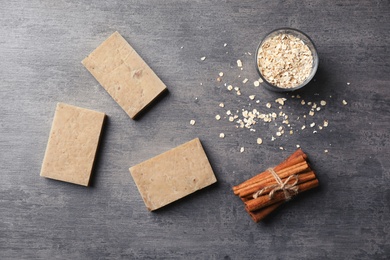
42	44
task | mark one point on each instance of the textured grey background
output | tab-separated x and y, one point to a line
41	46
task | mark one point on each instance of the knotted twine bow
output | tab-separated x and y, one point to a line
284	186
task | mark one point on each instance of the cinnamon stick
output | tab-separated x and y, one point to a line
260	214
282	165
264	201
269	178
302	177
266	174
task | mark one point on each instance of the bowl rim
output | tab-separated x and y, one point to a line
315	61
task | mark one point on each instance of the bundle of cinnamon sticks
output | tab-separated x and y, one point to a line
266	191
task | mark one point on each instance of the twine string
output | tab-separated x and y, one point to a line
280	185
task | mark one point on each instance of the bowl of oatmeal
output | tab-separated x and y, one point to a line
286	60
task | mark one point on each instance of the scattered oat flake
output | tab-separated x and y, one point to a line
192	122
256	83
221	135
325	151
238	93
221	104
281	148
303	127
326	123
302	102
268	105
280	101
242	149
203	58
311	113
230	87
348	83
218	117
239	63
318	108
225	44
220	74
252	97
312	124
259	140
322	102
228	112
298	146
219	79
245	80
344	102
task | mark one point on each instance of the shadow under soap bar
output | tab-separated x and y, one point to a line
72	144
173	175
124	74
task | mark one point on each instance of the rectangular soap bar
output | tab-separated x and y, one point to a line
124	74
173	174
72	144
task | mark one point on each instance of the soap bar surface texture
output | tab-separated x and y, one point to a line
72	144
124	74
173	175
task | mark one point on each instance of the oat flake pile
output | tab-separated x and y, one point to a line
285	61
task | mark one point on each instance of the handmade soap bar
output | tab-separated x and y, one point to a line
124	74
173	174
72	144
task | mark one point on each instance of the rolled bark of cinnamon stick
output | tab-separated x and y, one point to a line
265	192
295	162
302	177
284	173
264	201
260	214
286	163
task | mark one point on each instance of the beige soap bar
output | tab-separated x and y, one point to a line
173	174
72	144
124	74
